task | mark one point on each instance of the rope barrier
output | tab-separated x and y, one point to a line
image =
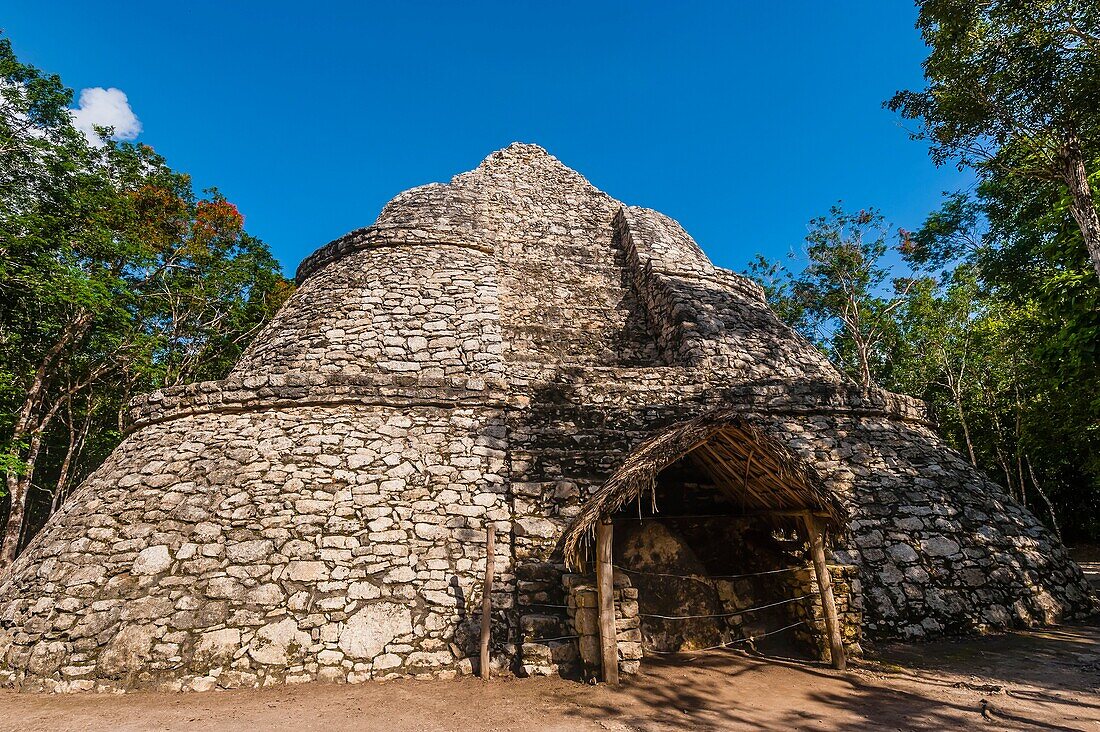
751	638
724	516
726	615
547	640
686	516
699	578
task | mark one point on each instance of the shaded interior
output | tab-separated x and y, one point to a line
707	561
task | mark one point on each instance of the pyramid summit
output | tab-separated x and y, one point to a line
514	348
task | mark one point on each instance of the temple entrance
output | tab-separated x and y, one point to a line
707	575
712	535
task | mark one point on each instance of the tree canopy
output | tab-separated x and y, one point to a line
1014	90
990	311
115	278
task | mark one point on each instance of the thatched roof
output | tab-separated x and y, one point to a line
752	468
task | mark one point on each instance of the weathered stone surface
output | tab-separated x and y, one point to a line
216	648
152	560
939	546
46	658
306	571
249	551
488	351
366	633
279	643
653	547
127	652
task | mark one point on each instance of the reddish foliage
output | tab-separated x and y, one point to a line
216	218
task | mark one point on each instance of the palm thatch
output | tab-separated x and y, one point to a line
753	469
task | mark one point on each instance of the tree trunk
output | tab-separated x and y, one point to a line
14	526
862	353
27	479
1046	500
1082	205
19	486
1019	449
76	446
955	385
966	432
998	435
25	425
71	332
19	489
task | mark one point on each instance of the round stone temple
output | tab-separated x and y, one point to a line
495	350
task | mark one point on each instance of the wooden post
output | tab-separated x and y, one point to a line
825	587
605	587
487	600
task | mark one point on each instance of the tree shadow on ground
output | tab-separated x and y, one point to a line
732	689
1061	656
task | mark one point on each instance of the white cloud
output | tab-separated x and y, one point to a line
101	107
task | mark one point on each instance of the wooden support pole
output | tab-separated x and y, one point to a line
605	587
825	587
487	600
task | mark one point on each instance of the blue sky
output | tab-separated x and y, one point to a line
740	119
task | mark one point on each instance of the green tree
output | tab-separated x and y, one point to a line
844	299
1014	90
1018	291
114	277
934	355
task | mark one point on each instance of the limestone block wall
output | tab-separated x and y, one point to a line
554	279
707	317
584	616
848	595
940	547
240	549
442	213
565	436
425	310
426	215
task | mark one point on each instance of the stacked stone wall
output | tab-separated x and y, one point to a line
430	215
430	311
490	350
707	317
584	618
339	544
275	391
560	270
848	596
941	548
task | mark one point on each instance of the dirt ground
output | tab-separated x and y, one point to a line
1030	680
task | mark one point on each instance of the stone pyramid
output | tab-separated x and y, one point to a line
489	350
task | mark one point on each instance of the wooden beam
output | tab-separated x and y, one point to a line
730	476
815	514
487	600
825	587
708	460
605	587
780	513
748	468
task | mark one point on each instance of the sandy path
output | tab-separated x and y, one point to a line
1048	679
